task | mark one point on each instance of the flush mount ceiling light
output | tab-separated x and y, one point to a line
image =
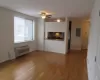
45	15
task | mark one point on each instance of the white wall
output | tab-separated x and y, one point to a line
93	40
7	33
40	34
54	45
75	41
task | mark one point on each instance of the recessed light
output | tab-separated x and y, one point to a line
58	20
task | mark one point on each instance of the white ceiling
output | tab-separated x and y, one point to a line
59	8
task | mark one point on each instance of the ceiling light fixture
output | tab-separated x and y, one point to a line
43	15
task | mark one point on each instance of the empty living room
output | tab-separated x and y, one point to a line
49	39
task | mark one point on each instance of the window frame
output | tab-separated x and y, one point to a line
33	30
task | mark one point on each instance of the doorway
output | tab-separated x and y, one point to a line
69	37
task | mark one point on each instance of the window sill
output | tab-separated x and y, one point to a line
24	42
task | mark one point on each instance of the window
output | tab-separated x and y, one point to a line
23	30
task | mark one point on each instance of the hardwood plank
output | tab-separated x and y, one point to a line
46	66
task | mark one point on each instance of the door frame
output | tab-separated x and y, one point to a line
69	35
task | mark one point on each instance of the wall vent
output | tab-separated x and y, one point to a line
19	51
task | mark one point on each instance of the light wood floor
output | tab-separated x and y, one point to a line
46	66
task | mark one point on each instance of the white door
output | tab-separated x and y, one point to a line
85	34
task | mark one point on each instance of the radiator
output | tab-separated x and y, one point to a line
19	51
